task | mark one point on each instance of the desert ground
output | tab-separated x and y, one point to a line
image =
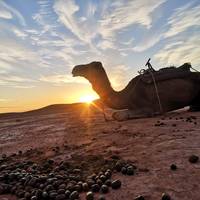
80	134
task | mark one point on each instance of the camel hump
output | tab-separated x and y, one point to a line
167	73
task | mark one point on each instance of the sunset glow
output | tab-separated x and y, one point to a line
87	99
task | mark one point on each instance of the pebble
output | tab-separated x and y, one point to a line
104	189
173	167
74	195
116	184
95	188
124	170
85	187
139	198
101	197
193	159
130	170
89	196
60	197
165	197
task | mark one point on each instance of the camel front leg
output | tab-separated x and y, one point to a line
123	115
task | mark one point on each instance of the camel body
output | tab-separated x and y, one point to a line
139	97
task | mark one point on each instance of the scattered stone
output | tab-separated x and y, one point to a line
104	189
116	184
101	197
165	197
173	167
74	195
193	159
130	171
85	187
124	170
95	188
89	196
139	198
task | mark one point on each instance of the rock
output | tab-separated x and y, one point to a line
99	182
130	171
27	195
74	195
101	197
95	188
165	197
124	170
85	187
193	159
116	184
139	198
45	195
61	191
60	197
173	167
53	195
67	193
104	189
34	198
119	165
102	178
89	196
108	182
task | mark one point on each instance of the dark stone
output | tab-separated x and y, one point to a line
104	189
61	191
124	170
53	195
89	196
173	167
101	197
45	195
85	187
67	193
34	198
95	188
108	182
102	178
130	170
74	195
60	197
165	197
116	184
139	198
193	159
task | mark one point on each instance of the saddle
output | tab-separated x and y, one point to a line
166	73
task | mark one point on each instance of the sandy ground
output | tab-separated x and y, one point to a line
81	133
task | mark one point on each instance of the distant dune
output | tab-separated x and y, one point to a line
54	108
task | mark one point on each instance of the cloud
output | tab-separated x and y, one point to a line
180	50
127	13
7	12
60	79
182	19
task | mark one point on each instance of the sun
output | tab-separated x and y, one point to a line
87	99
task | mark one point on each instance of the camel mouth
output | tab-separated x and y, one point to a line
75	72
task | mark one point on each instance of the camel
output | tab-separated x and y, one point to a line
142	97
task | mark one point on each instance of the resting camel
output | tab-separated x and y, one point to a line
175	88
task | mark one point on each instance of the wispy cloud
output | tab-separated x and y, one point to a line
60	79
7	12
180	50
183	18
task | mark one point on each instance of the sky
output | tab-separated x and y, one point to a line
42	40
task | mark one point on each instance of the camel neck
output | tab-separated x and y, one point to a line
107	94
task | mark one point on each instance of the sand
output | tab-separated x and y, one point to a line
151	144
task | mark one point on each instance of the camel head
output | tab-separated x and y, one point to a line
89	71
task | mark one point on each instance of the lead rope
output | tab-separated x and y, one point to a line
195	69
157	94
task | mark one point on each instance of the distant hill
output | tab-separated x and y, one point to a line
55	108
